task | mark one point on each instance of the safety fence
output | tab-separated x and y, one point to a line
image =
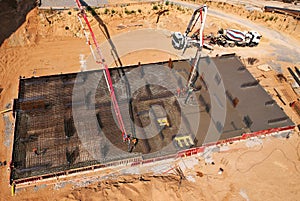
73	172
130	162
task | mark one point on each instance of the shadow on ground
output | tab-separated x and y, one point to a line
13	15
117	60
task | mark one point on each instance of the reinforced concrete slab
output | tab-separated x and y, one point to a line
64	122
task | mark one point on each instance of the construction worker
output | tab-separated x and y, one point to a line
35	151
183	91
134	141
178	92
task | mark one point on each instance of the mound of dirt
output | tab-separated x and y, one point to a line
139	188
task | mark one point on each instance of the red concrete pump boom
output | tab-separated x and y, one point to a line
101	62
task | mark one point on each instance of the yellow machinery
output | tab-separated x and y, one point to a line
163	121
184	141
160	115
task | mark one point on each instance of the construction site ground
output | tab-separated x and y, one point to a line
50	42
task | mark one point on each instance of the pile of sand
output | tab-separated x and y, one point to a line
145	188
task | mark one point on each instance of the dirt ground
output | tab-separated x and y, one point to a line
283	23
51	42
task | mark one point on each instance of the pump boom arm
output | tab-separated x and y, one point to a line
103	65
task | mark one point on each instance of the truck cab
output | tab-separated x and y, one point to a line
255	38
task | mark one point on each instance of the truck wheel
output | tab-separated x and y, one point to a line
226	44
231	44
252	44
173	44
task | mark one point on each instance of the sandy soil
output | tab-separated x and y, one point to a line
50	43
282	23
266	169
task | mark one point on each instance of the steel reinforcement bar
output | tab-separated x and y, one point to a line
106	72
140	161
